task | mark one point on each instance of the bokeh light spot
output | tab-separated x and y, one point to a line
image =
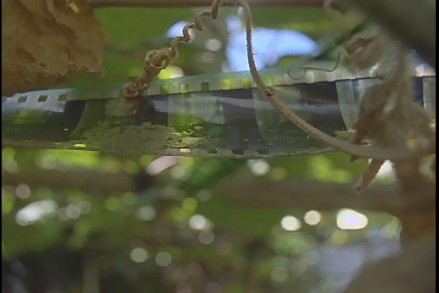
348	219
189	204
312	217
139	255
146	213
290	223
199	222
35	212
213	44
206	237
23	191
258	167
163	259
112	203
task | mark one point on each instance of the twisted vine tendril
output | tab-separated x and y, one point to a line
156	60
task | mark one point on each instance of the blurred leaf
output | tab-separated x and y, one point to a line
312	21
8	201
17	240
330	167
227	214
136	26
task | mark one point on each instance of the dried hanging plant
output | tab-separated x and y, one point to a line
388	117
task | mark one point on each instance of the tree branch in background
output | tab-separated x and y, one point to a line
180	3
247	191
79	179
320	196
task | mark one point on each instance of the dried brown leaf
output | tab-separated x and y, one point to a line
47	42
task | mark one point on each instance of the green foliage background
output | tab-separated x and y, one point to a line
250	252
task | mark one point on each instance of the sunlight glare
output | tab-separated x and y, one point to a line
36	211
290	223
177	28
213	44
348	219
162	163
385	170
258	167
199	222
312	217
269	45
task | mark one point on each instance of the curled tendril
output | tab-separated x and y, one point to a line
156	60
